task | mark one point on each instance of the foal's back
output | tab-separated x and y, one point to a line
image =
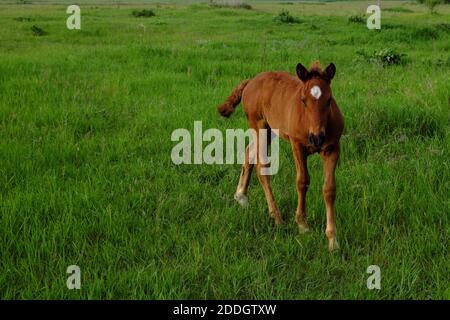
272	97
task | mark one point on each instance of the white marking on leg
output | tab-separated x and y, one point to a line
241	198
316	92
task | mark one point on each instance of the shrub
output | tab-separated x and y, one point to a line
356	19
245	6
238	4
22	19
37	31
384	57
387	56
143	13
285	17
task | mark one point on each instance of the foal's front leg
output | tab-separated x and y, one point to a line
302	183
330	160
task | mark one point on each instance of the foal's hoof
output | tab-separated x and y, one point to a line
277	217
278	221
333	245
241	199
303	228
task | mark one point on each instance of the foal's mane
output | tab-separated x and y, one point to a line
315	71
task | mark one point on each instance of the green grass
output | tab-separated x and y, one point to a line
86	177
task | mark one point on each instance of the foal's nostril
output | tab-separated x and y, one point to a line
321	139
311	139
316	140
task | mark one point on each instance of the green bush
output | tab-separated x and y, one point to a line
384	57
232	4
388	56
38	31
143	13
22	19
356	19
285	17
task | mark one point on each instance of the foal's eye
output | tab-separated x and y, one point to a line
329	102
304	101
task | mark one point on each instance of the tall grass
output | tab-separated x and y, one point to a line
86	178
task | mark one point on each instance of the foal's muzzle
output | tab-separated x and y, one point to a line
316	140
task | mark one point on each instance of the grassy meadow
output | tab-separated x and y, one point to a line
86	176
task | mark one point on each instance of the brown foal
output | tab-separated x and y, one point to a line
304	111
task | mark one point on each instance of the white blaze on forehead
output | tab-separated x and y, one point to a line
316	92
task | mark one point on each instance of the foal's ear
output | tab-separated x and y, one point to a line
330	71
302	72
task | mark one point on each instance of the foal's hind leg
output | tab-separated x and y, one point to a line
265	179
247	168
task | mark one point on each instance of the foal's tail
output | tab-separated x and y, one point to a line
228	107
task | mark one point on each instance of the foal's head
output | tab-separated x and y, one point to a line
316	98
